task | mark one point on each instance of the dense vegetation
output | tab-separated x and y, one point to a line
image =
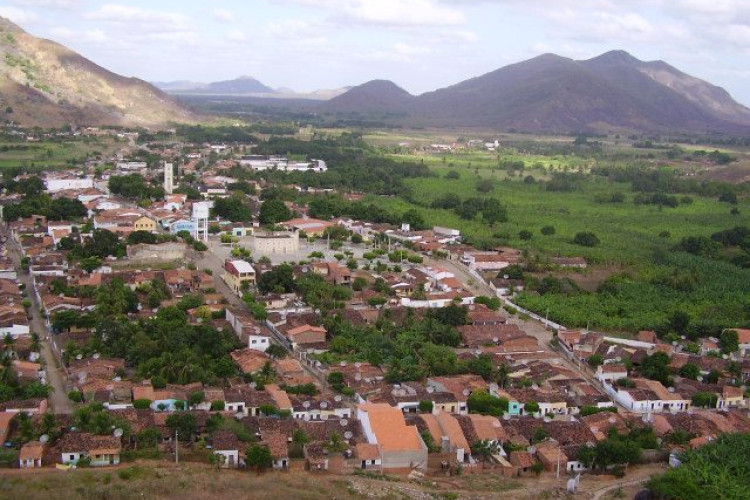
36	202
719	470
166	348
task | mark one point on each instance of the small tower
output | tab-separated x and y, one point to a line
200	216
168	178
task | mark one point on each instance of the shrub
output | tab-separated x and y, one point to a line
75	396
142	404
586	239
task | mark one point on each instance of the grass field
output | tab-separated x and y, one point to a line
53	154
629	233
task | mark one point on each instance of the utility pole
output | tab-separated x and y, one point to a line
558	461
176	446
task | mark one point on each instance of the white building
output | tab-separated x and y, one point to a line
54	184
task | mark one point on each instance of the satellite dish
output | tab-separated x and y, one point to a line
118	379
342	364
306	404
348	435
337	398
612	420
589	444
506	417
478	352
430	390
358	377
534	386
324	404
531	449
700	378
466	392
495	339
670	389
594	429
547	419
79	357
344	422
117	433
358	365
96	355
253	385
43	438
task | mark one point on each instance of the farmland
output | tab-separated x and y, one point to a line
636	240
51	153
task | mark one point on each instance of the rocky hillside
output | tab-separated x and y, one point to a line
43	83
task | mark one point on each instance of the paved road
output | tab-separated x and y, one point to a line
58	400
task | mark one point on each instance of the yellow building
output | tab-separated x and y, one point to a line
237	273
144	224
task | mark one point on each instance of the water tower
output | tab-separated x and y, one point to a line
200	216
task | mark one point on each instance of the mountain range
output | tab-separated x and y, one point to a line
243	86
46	84
556	94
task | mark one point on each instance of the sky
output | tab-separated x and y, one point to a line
421	45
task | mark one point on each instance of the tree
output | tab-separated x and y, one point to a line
729	342
196	398
548	230
184	423
259	457
705	399
89	264
691	371
137	237
525	234
425	406
415	220
236	208
276	351
279	280
656	367
485	403
274	211
586	239
596	360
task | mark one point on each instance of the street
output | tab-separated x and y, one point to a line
58	400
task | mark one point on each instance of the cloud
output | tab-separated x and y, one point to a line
385	13
236	36
50	4
87	36
141	19
18	16
222	15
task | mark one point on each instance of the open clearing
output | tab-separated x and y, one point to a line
197	482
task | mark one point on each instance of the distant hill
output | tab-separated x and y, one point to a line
550	93
244	85
43	83
376	96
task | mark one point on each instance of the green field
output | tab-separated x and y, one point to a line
630	235
50	154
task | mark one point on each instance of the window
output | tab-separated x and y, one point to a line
72	457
